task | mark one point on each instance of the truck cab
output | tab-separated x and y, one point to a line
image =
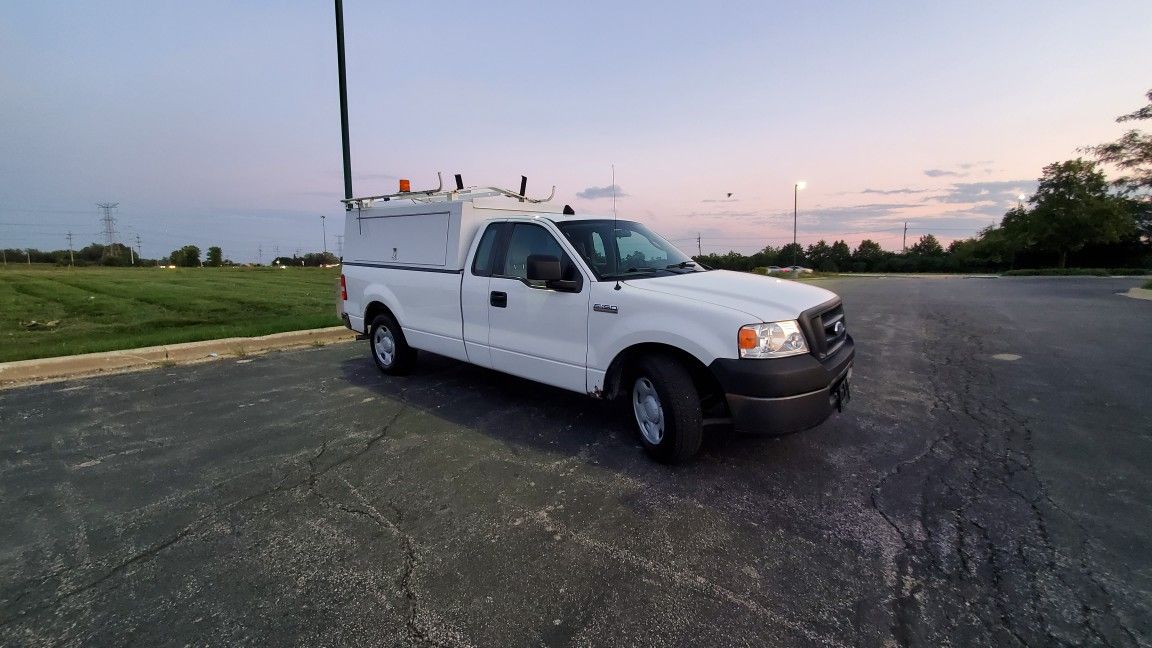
596	305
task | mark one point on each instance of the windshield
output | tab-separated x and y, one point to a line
625	249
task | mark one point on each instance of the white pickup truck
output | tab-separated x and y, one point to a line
595	305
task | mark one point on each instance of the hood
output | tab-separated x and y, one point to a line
765	298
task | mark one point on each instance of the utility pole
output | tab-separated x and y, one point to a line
699	252
324	230
260	255
904	241
71	258
109	224
138	255
800	184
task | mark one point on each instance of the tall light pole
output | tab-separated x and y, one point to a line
324	230
800	184
343	78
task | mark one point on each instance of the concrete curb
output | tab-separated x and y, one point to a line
1139	293
21	372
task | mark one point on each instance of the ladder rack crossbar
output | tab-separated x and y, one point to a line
363	202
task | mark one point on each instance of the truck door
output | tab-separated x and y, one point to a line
474	301
538	332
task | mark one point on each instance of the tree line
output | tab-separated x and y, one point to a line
188	256
1076	217
93	254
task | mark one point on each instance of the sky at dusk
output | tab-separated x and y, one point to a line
217	123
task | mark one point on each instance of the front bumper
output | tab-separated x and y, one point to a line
784	395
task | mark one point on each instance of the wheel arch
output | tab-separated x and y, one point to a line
374	309
619	370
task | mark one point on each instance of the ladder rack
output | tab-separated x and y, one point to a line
430	195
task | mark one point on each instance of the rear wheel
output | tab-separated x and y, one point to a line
667	409
390	351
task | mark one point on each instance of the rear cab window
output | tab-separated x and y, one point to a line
482	263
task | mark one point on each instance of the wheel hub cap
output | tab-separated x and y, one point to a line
649	412
384	346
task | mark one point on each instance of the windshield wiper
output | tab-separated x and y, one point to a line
681	265
632	271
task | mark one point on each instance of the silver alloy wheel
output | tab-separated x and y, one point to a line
384	345
649	411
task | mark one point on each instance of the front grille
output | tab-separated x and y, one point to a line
821	324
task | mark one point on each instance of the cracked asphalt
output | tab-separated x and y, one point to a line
303	498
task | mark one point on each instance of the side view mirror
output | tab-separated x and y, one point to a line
543	267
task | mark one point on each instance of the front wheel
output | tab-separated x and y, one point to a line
390	351
667	409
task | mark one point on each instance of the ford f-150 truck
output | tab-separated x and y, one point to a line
595	305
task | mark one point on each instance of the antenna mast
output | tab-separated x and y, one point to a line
615	244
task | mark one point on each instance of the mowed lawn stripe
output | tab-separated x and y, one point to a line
103	309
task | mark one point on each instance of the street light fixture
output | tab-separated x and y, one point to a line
800	184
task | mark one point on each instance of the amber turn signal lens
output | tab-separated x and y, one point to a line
748	338
405	185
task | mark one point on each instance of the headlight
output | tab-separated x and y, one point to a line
771	340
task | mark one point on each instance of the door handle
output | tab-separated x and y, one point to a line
498	299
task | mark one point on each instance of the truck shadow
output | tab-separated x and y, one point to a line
529	414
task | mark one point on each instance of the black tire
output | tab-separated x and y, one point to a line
676	404
402	358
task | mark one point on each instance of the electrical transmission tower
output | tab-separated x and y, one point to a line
71	259
109	225
137	246
259	255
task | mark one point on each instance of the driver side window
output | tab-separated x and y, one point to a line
528	239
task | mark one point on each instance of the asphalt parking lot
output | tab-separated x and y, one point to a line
990	484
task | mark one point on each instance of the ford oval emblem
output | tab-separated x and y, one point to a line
839	328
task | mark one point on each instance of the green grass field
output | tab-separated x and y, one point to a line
53	311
